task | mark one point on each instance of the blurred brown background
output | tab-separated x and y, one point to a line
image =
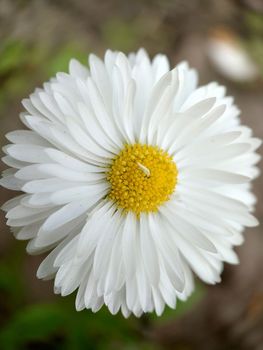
224	41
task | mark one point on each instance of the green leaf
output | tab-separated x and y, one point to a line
120	35
60	61
12	55
34	323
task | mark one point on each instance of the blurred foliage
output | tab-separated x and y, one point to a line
59	326
60	61
12	61
12	56
130	35
121	35
255	47
23	65
253	22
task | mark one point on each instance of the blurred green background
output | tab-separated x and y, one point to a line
37	39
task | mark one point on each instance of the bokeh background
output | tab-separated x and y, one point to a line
224	41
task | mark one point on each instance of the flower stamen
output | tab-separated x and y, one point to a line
145	170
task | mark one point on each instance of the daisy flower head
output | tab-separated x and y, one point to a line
134	178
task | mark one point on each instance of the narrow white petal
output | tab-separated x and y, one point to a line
77	69
26	137
130	236
67	213
12	183
149	251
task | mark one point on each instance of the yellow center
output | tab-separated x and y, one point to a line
142	177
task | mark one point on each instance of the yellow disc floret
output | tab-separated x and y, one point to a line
142	177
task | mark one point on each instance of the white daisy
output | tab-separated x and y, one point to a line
134	178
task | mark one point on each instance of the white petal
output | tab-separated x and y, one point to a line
11	162
28	153
115	276
149	252
97	220
26	137
11	203
47	237
67	213
12	183
48	185
129	238
28	231
92	194
212	175
77	69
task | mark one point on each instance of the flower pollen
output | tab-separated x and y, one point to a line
142	177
